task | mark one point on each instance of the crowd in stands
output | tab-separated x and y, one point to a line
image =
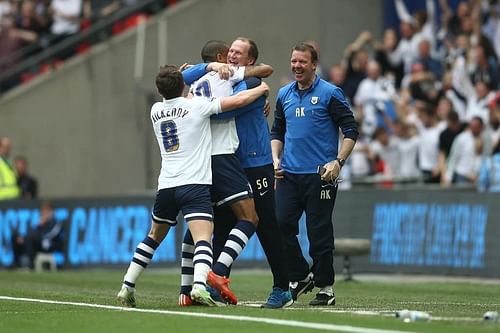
30	26
426	96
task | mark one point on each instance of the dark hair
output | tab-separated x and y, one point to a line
212	48
169	82
21	158
47	205
427	109
305	47
379	131
478	119
253	51
453	116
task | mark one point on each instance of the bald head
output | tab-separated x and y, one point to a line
5	146
373	70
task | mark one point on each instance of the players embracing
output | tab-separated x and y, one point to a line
244	169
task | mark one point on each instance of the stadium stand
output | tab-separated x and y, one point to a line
29	45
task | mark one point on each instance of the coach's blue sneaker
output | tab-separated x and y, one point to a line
216	296
323	299
302	287
126	296
278	299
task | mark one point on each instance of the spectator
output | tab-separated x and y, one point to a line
385	148
407	143
429	129
429	62
96	9
5	8
406	51
443	109
423	22
374	87
373	98
421	84
493	128
26	17
356	61
453	21
446	139
8	181
382	51
491	28
455	48
489	172
66	16
485	66
465	155
337	75
359	160
27	184
47	236
12	39
43	16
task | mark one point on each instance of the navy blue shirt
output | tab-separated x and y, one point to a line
308	121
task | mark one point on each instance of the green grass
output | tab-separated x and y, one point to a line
460	304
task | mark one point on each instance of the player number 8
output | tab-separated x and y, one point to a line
169	133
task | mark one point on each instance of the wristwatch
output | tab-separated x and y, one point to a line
341	161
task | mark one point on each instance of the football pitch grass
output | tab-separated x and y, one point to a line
85	301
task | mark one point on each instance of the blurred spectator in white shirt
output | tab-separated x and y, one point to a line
465	156
385	148
429	129
359	159
66	15
407	142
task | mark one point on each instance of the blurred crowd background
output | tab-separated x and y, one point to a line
28	27
425	92
426	97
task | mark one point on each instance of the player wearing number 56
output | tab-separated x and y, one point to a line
182	128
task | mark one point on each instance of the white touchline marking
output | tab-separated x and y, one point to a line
362	312
272	321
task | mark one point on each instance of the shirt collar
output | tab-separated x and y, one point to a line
313	85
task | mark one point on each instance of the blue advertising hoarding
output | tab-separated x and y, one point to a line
428	232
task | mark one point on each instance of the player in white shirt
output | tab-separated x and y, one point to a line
182	127
230	184
224	135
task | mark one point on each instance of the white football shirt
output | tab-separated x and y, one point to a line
224	135
182	128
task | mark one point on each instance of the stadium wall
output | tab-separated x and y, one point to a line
418	232
85	129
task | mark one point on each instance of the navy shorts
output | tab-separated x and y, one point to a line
192	200
230	183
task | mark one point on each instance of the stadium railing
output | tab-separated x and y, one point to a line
38	58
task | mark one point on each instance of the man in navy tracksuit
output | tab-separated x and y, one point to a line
255	157
254	153
307	162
